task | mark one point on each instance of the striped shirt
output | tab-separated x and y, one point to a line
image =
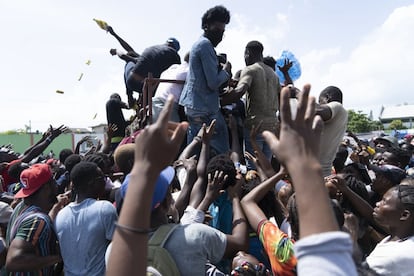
30	224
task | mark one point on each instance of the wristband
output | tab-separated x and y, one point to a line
132	229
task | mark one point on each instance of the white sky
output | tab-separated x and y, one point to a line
366	48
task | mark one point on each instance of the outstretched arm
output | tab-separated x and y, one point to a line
40	147
285	71
250	201
155	149
123	43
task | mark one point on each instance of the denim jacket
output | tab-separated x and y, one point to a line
200	91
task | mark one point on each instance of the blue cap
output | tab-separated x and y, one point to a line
161	187
174	43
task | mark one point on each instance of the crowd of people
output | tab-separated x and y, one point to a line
236	175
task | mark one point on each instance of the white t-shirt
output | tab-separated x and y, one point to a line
174	72
393	257
328	253
332	135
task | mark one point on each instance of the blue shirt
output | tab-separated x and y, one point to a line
201	89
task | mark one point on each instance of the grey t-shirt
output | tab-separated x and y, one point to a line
192	245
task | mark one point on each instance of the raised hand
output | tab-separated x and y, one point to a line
55	132
299	137
286	66
215	184
154	145
188	164
208	132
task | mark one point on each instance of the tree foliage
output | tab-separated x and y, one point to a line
359	122
397	124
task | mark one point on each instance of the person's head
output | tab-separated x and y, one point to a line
162	194
124	157
270	61
102	160
386	176
246	264
396	209
395	156
408	148
377	158
385	142
222	162
115	96
38	186
285	192
330	94
71	161
88	179
16	168
408	138
253	52
63	154
214	23
173	43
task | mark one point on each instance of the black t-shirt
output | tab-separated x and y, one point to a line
156	59
114	115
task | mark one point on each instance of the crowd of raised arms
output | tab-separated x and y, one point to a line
227	174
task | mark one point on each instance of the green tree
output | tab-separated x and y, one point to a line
396	124
359	122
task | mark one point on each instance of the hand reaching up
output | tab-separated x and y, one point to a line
154	146
298	148
299	137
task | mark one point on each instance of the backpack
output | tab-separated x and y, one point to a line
158	257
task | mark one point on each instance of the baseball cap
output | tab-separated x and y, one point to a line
161	187
174	43
33	178
390	139
392	173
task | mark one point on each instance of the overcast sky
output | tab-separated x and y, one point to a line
366	48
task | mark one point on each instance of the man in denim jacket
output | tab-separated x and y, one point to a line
200	95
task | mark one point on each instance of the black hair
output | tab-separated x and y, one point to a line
82	174
215	14
270	61
222	162
71	161
63	154
406	193
101	159
332	93
255	47
16	169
